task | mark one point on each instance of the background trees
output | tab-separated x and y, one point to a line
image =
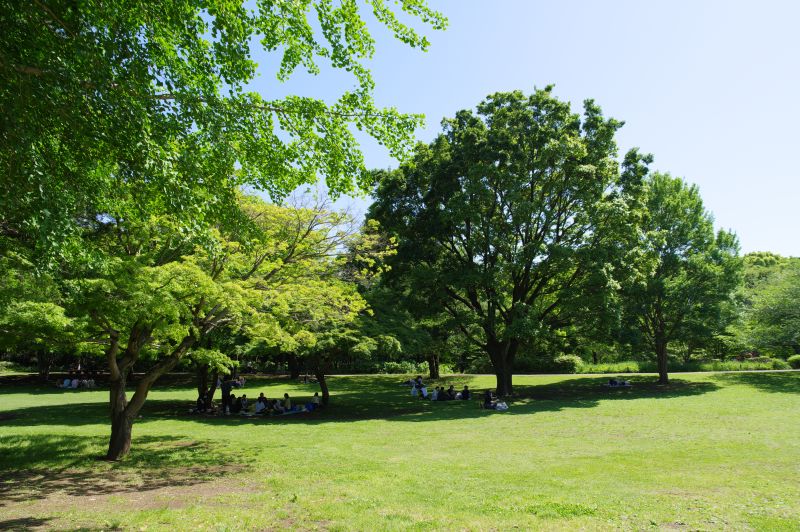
510	217
686	271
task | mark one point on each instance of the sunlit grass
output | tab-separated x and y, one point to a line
708	452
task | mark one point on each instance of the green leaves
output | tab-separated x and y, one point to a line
150	99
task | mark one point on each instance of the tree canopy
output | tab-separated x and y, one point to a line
511	217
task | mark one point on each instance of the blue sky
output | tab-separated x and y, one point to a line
711	88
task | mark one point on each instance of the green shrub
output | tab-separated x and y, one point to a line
794	361
402	367
567	364
625	366
777	363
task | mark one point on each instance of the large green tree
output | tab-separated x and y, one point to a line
687	273
154	95
514	219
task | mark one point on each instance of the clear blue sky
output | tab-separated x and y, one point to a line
711	88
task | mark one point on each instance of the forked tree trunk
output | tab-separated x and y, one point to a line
661	356
212	389
433	365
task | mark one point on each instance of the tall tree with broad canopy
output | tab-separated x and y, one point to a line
129	131
154	95
686	273
514	219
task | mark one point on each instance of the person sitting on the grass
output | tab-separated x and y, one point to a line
465	394
75	383
489	400
236	405
442	396
66	384
243	403
316	400
451	392
435	394
287	403
261	406
276	407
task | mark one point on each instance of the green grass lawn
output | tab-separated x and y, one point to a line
708	452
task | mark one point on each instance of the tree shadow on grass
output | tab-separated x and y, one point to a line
38	465
384	397
784	382
25	523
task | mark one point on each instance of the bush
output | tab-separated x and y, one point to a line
567	364
625	366
402	367
794	361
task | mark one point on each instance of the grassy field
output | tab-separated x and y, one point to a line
708	452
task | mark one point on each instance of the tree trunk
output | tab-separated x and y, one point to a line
594	356
323	386
433	365
212	389
294	366
202	380
120	443
502	357
121	423
661	356
44	361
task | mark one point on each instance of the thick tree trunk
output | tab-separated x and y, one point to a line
294	366
433	365
661	356
502	357
594	356
323	386
121	422
120	443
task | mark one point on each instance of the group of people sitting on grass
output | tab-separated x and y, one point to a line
262	406
618	383
419	389
74	382
440	394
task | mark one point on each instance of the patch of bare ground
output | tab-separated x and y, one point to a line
28	496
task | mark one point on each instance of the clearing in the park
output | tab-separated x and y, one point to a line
709	451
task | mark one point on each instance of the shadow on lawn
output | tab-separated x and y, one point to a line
382	397
788	382
37	465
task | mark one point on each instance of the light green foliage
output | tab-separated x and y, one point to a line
574	456
153	97
794	361
508	217
768	305
687	273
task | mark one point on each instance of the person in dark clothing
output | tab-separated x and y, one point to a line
442	396
451	392
465	393
236	404
227	385
488	400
